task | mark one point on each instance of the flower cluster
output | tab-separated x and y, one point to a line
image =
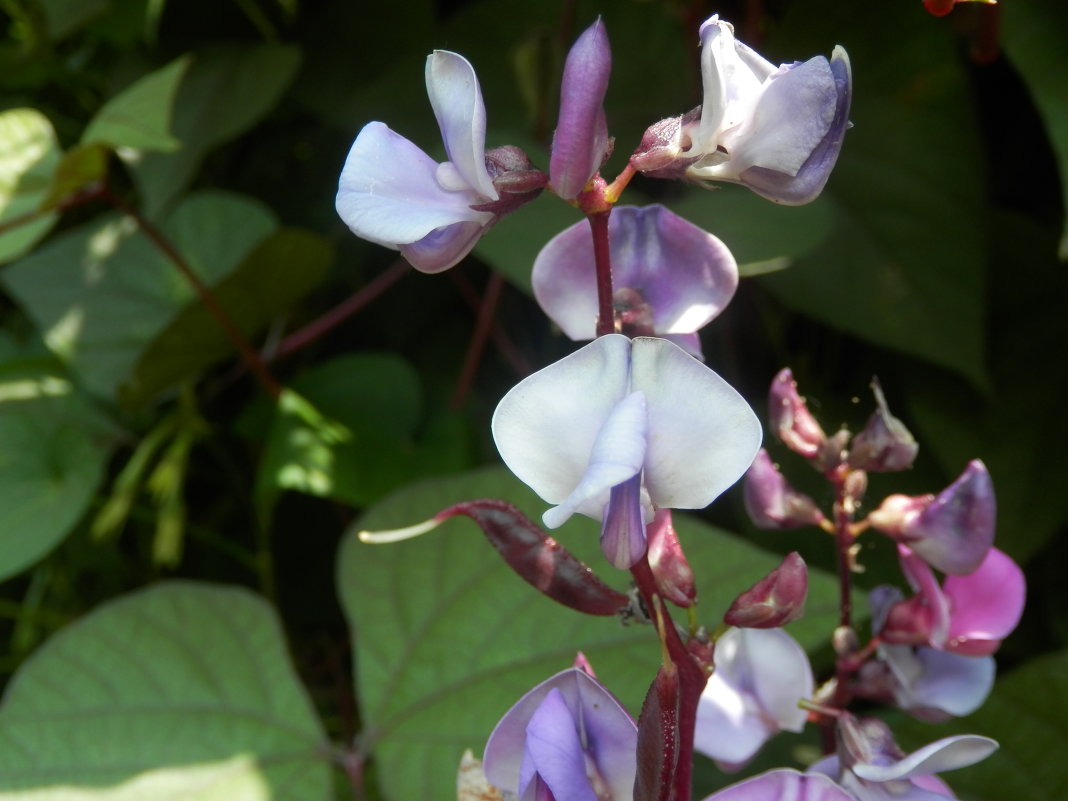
634	424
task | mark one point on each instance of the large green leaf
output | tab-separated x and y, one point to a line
905	265
53	449
139	118
1034	40
280	271
447	637
181	691
225	92
102	292
1028	714
29	155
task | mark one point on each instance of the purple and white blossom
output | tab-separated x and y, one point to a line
871	766
568	738
776	130
621	428
581	141
671	277
760	675
951	531
967	615
394	194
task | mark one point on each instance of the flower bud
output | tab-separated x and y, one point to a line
951	531
775	600
770	500
884	445
790	418
671	570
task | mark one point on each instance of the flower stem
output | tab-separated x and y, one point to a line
606	322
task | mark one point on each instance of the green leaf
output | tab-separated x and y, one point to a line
64	17
101	293
139	117
449	638
352	429
29	155
1034	40
905	266
182	690
1028	714
265	285
225	92
53	450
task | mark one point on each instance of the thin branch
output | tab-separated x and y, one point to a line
483	325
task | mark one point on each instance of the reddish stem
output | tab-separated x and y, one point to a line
248	354
606	322
477	346
343	311
503	342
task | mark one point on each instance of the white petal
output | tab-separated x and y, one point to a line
774	670
388	191
948	753
546	426
726	731
791	118
457	102
617	455
702	434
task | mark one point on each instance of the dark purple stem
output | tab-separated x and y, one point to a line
343	311
606	323
692	677
483	327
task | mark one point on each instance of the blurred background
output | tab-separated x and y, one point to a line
155	152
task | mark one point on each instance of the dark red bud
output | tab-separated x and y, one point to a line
775	600
658	738
515	178
538	559
884	445
671	572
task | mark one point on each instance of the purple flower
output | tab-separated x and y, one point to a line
772	502
930	684
776	785
968	615
567	739
776	130
872	767
620	428
394	194
581	142
951	531
671	277
760	676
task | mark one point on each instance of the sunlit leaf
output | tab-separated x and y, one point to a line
101	293
53	449
139	117
449	638
28	156
181	691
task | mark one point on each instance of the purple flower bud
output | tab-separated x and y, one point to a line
760	676
580	143
672	277
770	500
884	445
777	131
568	736
671	570
775	600
790	418
951	531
